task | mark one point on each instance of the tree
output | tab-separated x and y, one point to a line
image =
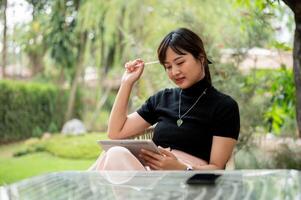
79	65
4	39
77	28
33	35
295	6
114	32
66	45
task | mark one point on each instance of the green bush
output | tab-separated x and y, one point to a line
274	92
283	101
29	109
285	156
65	146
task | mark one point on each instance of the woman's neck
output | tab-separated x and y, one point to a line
197	88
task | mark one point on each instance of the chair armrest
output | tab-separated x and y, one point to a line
147	134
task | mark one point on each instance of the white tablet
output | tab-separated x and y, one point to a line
134	146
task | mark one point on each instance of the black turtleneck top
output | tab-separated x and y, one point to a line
215	114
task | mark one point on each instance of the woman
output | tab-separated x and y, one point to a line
196	126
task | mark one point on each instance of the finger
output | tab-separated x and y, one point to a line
166	152
152	154
139	64
149	159
153	167
139	60
128	65
131	63
154	163
134	65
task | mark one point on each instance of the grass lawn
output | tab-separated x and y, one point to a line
57	153
14	169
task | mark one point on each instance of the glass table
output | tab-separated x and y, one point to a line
238	184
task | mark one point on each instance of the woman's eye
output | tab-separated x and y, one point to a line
180	63
167	67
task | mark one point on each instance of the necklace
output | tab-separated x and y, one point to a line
180	120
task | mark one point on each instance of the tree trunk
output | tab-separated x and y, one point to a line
4	48
297	74
297	65
37	63
295	6
101	102
72	94
79	69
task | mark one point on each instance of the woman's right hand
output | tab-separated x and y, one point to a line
133	71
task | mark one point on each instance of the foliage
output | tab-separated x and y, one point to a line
61	38
29	109
284	156
281	46
276	90
118	31
283	100
254	21
31	37
74	147
258	93
287	157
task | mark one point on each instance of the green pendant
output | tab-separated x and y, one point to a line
179	122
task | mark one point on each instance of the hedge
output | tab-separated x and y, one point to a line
29	109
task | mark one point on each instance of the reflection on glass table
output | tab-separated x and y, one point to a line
246	184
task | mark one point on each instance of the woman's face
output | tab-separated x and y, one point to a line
183	70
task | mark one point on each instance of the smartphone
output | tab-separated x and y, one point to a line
205	178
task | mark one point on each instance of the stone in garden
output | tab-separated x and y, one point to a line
74	127
270	136
46	136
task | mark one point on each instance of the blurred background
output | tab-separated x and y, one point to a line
62	60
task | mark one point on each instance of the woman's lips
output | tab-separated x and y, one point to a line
179	80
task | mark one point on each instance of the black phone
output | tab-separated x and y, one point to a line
205	178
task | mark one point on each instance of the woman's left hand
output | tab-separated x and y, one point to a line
164	161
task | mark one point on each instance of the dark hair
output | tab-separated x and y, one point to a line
181	40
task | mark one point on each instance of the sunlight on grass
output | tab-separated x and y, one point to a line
7	151
14	169
75	147
39	156
81	147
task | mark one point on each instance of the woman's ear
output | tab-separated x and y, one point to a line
202	59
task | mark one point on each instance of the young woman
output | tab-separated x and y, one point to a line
196	125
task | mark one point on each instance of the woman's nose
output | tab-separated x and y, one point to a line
175	70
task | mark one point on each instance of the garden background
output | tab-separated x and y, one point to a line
63	59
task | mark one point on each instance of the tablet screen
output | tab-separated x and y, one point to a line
134	146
